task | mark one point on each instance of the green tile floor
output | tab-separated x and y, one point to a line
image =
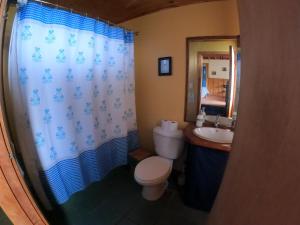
3	218
117	200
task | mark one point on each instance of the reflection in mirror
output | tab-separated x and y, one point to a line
213	77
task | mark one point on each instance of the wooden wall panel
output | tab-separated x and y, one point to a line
8	202
12	184
119	11
216	87
262	180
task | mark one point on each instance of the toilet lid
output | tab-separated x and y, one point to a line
153	170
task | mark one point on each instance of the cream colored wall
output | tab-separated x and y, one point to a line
164	34
217	65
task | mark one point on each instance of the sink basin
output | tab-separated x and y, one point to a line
213	134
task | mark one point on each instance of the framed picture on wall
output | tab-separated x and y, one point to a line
165	66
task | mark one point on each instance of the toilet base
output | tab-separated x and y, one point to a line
153	193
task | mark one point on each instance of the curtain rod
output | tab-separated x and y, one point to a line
78	12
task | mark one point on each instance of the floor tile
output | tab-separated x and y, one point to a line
117	200
171	218
176	205
4	220
114	208
126	222
148	212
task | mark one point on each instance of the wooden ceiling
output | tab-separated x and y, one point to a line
118	11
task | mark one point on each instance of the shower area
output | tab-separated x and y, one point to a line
69	91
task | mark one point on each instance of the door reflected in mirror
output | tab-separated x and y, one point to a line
213	76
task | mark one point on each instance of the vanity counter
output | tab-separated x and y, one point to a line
194	140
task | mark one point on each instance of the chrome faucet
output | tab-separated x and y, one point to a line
217	122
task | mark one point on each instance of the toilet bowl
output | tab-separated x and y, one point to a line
153	172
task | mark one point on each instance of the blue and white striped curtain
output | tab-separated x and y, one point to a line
204	90
71	79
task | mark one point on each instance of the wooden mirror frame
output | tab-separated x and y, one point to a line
200	38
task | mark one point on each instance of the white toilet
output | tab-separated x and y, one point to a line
152	173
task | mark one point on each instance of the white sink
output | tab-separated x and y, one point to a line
213	134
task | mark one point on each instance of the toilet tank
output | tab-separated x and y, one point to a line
168	144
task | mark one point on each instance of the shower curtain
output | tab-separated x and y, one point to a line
71	83
204	90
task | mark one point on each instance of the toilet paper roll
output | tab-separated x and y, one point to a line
173	125
169	125
164	125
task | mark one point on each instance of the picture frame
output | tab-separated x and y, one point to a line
165	66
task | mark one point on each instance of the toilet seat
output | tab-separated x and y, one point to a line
153	170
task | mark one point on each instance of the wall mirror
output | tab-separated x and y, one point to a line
213	76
